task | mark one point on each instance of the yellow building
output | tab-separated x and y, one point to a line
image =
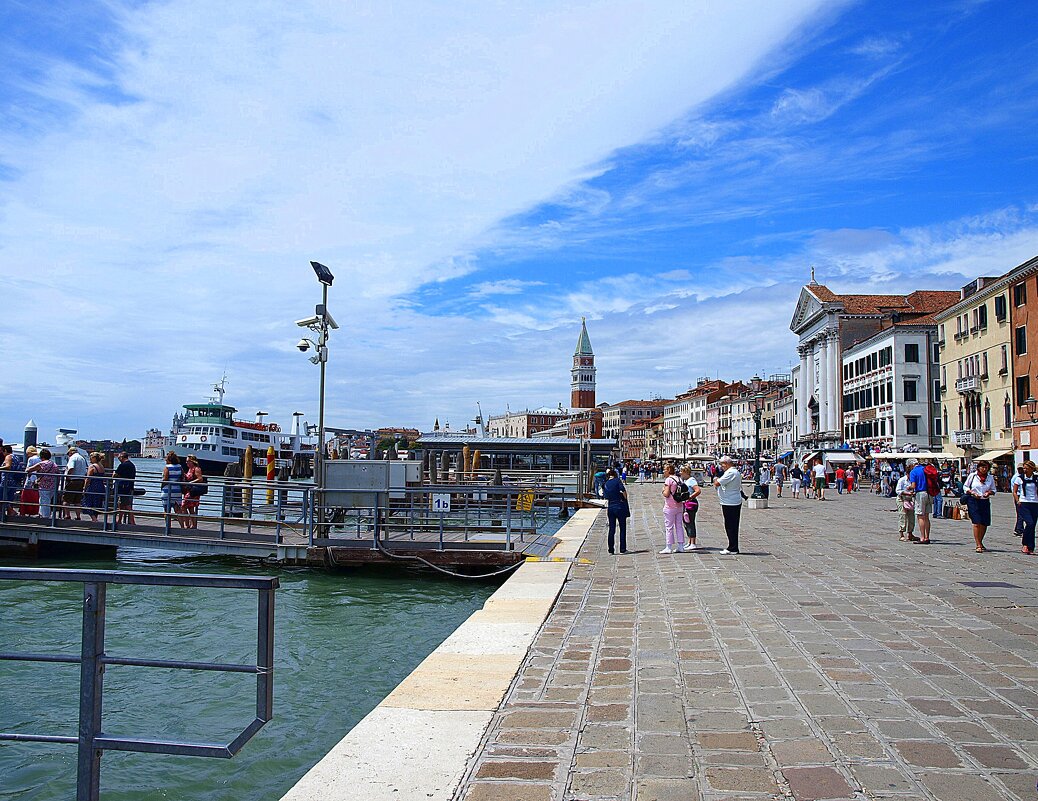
976	371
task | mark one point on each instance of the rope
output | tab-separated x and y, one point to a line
329	558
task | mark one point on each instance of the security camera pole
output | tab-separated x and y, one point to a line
320	324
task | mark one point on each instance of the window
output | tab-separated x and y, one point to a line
1020	294
911	425
983	316
936	352
937	427
1000	308
984	365
1007	412
912	352
936	387
940	332
944	377
987	416
1021	339
1023	389
910	390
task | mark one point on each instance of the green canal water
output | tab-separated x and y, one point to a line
342	642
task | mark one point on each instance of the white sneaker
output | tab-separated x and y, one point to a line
667	550
726	552
692	547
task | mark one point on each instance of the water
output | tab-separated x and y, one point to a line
343	641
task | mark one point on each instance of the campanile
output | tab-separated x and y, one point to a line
582	376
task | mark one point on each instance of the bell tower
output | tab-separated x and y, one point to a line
582	376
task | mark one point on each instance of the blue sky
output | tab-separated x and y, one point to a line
479	176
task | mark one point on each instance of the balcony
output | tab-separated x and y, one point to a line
970	383
969	438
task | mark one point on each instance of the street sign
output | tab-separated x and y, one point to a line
524	501
440	502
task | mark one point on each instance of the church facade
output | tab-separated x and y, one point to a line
827	324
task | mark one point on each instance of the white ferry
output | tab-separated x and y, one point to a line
210	432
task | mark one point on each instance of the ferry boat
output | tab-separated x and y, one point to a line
211	432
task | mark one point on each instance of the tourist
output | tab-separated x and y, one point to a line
978	489
923	501
818	472
10	478
618	509
172	476
780	476
1025	493
672	511
765	476
691	507
125	473
94	495
841	480
852	479
30	503
906	508
75	479
47	481
1018	527
729	493
796	476
194	488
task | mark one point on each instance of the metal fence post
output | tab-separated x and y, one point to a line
91	688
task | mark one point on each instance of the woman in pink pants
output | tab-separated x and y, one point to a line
672	511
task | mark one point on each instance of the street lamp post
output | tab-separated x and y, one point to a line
758	411
321	324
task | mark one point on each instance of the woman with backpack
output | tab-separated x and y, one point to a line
673	509
1025	493
977	491
691	507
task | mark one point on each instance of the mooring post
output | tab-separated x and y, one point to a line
91	688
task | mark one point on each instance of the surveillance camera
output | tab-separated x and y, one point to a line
309	321
303	345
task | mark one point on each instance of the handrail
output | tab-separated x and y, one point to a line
91	740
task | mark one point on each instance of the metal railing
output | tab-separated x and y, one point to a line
276	509
92	660
440	514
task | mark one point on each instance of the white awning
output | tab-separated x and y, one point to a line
842	456
990	456
919	455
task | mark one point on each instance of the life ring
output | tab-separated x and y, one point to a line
183	437
204	438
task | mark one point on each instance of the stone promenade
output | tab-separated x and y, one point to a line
828	661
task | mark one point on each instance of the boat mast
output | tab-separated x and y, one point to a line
219	389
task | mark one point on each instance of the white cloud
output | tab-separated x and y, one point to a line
153	241
508	286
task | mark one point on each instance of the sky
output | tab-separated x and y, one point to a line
479	176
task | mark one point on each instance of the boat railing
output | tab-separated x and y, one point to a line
92	659
280	511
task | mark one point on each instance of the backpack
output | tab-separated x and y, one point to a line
933	481
680	493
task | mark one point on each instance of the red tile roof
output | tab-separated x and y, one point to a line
920	302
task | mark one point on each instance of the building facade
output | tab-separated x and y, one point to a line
827	324
525	423
583	373
892	390
975	337
1022	298
618	415
785	411
684	419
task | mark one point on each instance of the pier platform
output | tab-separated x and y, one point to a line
827	661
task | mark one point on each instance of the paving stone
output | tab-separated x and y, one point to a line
809	784
656	789
800	752
992	756
877	780
507	791
602	759
928	754
960	787
493	769
663	765
751	780
598	783
728	741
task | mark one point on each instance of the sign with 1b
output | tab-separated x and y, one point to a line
440	502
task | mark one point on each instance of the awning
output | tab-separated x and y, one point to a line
841	456
919	455
786	455
990	456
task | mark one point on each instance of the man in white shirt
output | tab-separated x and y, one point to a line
729	493
818	474
75	478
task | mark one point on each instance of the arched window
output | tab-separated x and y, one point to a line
987	416
961	420
946	420
1008	412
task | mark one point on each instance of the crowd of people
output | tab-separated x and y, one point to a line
37	487
920	485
